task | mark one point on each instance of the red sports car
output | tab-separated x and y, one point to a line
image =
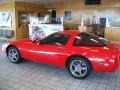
80	52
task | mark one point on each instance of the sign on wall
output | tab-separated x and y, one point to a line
43	30
5	19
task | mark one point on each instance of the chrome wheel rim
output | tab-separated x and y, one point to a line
78	68
13	55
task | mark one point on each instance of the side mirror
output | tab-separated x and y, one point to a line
36	40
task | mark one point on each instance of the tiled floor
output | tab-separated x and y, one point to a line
33	76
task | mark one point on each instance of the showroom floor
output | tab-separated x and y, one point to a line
33	76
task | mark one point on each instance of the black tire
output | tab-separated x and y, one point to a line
14	55
79	67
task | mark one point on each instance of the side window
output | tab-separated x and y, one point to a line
56	39
85	39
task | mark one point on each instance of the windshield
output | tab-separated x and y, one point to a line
87	39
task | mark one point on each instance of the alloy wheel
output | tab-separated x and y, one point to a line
78	68
13	55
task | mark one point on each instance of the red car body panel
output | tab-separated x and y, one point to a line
103	59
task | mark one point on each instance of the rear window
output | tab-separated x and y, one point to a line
86	39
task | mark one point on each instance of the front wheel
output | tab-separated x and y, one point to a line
14	55
79	68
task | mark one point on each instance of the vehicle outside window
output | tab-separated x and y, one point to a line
56	39
87	39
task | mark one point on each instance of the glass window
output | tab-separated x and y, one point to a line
56	39
86	39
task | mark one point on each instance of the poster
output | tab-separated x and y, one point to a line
43	30
67	15
5	19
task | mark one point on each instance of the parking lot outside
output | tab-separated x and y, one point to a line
35	76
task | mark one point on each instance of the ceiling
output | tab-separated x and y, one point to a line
35	1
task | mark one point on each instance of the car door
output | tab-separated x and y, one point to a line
51	50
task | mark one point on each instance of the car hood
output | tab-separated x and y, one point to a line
20	42
26	40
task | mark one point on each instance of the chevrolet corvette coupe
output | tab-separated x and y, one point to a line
79	52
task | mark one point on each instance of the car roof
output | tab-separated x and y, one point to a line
69	32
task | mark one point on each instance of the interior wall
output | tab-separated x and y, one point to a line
107	8
15	8
10	7
23	32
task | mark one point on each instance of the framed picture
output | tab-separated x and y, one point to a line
67	15
6	19
23	18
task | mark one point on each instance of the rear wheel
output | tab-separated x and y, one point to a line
79	68
14	55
